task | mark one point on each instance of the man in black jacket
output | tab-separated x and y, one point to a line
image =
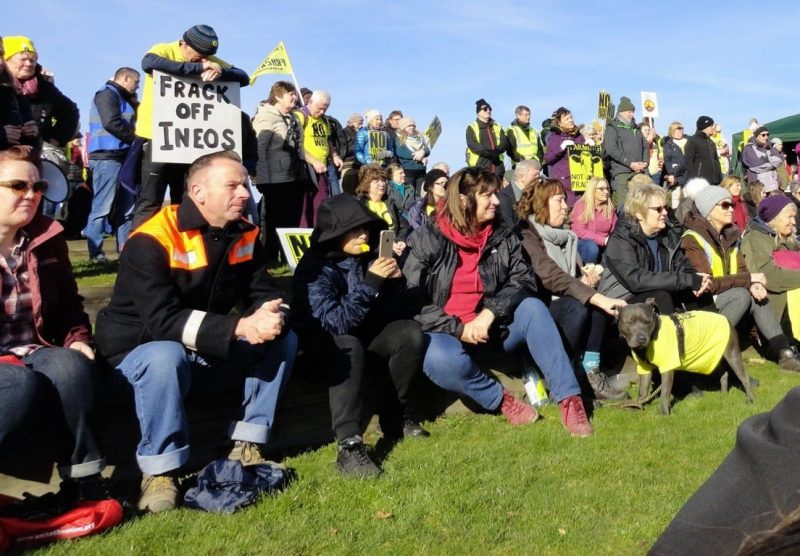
701	153
169	323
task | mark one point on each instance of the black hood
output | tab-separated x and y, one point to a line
342	213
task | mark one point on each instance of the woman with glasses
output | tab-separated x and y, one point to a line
383	201
710	242
593	219
435	187
47	377
643	258
675	162
563	134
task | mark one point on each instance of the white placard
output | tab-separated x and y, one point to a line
295	242
192	118
649	105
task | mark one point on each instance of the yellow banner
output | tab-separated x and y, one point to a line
276	61
585	161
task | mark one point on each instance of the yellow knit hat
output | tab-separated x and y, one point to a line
17	44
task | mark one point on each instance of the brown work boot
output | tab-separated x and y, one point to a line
573	415
517	412
159	494
602	389
788	361
248	453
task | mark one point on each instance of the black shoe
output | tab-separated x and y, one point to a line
353	459
412	429
788	361
93	487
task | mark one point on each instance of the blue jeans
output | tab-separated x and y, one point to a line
588	251
333	180
162	372
449	365
106	190
53	397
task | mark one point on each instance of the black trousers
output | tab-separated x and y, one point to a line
156	177
280	207
398	348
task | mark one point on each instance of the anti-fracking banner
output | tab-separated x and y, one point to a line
649	105
434	131
192	117
585	161
276	61
295	242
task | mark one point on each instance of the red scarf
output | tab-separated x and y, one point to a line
466	291
739	213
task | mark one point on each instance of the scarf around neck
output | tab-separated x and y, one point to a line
561	245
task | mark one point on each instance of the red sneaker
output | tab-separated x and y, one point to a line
516	412
573	415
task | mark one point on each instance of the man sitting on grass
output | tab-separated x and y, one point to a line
181	273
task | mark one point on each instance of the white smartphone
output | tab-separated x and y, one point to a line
386	245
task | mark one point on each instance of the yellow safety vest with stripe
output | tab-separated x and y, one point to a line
714	258
527	147
186	250
497	131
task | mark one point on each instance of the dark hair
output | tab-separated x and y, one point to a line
208	159
278	89
469	182
394	113
22	153
125	71
535	200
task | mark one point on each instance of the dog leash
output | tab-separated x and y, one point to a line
636	404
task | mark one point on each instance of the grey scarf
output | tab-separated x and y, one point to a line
561	245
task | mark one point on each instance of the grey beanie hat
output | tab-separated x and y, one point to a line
709	197
203	39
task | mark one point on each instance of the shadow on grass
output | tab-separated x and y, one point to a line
91	269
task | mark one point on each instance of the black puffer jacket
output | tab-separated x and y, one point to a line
58	117
701	158
674	161
431	264
629	263
14	110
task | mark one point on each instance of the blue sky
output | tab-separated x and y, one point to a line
431	58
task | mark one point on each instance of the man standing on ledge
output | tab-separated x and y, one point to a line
486	141
169	323
193	55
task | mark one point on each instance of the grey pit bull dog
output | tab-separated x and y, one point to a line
693	341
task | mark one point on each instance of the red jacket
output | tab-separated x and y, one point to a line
58	312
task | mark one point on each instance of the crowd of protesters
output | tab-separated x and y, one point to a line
486	260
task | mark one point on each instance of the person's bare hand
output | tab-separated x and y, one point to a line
13	134
758	291
398	247
384	267
83	348
265	324
608	304
319	167
477	330
758	277
704	285
30	129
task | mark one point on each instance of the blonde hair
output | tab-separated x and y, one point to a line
672	127
730	181
588	200
638	201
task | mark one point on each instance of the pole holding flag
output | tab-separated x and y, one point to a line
276	61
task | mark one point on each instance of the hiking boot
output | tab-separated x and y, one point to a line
602	389
353	459
159	494
788	361
517	412
412	429
248	453
93	487
573	415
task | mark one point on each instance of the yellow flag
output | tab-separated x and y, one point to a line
276	61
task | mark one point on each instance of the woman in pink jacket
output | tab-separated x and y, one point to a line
593	220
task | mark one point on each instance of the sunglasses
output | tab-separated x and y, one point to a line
726	205
679	127
659	209
487	108
22	186
763	134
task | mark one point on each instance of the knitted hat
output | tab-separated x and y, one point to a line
203	39
759	130
370	115
625	104
15	45
769	208
709	197
355	118
704	121
432	176
694	186
480	103
405	122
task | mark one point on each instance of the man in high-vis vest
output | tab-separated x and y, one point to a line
486	141
112	124
169	323
193	55
524	142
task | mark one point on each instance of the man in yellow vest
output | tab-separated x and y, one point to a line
169	323
486	141
193	55
524	142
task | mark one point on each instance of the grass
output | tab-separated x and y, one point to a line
479	486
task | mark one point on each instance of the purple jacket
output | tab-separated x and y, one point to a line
762	164
557	162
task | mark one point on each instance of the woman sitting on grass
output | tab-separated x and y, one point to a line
348	308
476	290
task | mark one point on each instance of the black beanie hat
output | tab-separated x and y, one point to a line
704	121
480	103
203	39
432	176
760	130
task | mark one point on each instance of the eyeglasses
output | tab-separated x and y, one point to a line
659	209
726	205
680	127
487	108
22	186
763	134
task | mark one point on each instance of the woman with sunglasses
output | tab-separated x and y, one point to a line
46	355
710	242
593	219
476	292
675	162
643	258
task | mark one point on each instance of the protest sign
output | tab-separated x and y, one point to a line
605	108
585	161
649	105
192	117
294	242
276	61
434	131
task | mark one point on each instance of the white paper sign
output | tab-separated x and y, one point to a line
649	105
295	242
192	118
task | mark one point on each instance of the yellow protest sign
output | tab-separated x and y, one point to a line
276	61
434	131
295	242
585	161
